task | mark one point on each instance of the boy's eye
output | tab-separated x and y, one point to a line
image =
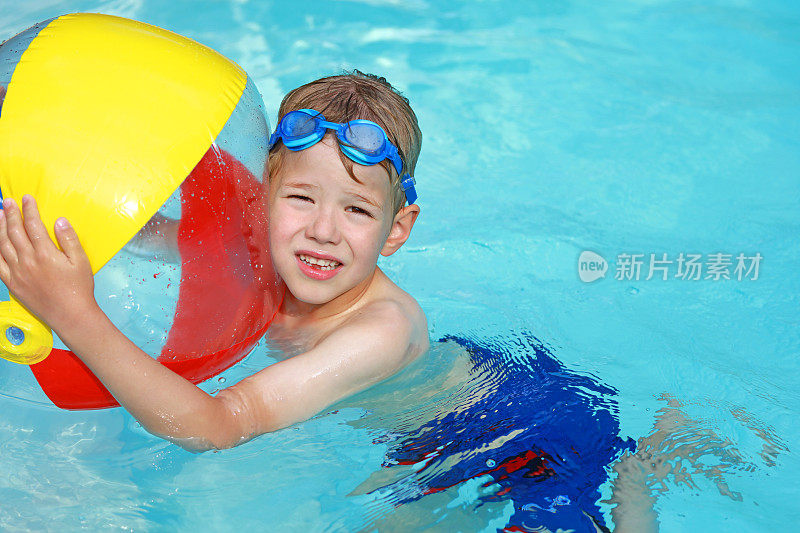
300	197
358	210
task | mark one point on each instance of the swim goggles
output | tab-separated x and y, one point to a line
363	141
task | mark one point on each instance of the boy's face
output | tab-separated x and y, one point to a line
326	230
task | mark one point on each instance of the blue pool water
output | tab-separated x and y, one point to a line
551	128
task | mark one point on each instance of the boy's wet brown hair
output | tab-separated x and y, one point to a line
356	95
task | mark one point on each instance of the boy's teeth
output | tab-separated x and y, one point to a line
324	264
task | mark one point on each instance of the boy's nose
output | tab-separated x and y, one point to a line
323	227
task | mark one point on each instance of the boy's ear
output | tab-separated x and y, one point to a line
401	229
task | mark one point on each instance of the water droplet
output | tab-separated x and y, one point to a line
490	463
221	379
633	290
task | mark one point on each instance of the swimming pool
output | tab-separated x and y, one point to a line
622	128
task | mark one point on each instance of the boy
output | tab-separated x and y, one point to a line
336	199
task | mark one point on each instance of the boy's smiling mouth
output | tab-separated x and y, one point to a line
318	266
323	264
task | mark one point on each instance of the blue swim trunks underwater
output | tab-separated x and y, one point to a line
541	437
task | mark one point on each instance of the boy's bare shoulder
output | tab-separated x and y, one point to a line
393	316
397	306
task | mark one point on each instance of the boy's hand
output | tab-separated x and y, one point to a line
50	282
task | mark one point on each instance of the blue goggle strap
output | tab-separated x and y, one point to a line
406	181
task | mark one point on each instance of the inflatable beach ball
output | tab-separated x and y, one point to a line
154	147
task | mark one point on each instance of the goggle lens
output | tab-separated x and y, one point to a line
366	138
298	124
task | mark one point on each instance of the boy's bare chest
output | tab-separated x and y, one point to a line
295	336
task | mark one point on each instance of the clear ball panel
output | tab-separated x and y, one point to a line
197	280
11	50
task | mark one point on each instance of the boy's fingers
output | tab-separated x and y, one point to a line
37	233
15	229
5	272
6	248
69	242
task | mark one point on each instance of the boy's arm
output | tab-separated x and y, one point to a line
58	287
365	350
